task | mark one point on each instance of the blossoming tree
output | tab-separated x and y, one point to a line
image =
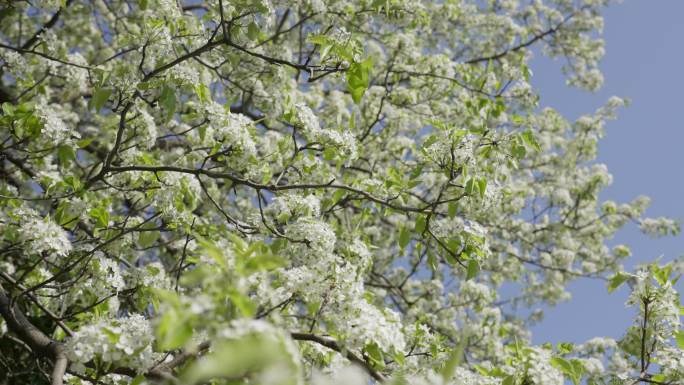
307	192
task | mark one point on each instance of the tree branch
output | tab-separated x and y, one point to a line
34	337
333	345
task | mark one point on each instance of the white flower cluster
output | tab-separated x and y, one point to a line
320	236
360	249
148	128
320	275
76	75
593	366
185	75
289	205
663	304
366	324
46	236
461	376
151	275
125	342
233	130
54	129
340	373
105	279
671	360
307	122
13	60
540	371
447	227
180	193
445	150
477	292
659	227
464	376
344	141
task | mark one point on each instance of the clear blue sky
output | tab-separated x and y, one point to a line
644	148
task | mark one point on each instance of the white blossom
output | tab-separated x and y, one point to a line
46	236
124	341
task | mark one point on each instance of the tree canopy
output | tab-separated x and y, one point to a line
317	192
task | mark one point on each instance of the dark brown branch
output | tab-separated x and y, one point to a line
39	343
525	44
272	187
333	345
53	20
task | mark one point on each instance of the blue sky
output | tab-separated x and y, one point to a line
644	148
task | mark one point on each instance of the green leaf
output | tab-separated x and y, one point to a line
101	216
252	31
325	50
111	335
83	143
7	109
455	358
203	92
471	186
148	238
454	244
616	280
430	141
375	354
662	274
530	140
517	119
64	216
358	79
173	331
565	347
519	151
679	338
404	237
259	262
571	368
578	371
473	269
482	186
399	358
253	353
561	364
432	261
245	306
66	154
167	99
420	224
452	208
99	98
59	334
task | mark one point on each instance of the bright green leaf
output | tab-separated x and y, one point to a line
616	280
404	237
99	98
148	238
679	338
167	99
358	78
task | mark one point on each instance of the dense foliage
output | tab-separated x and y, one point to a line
308	192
